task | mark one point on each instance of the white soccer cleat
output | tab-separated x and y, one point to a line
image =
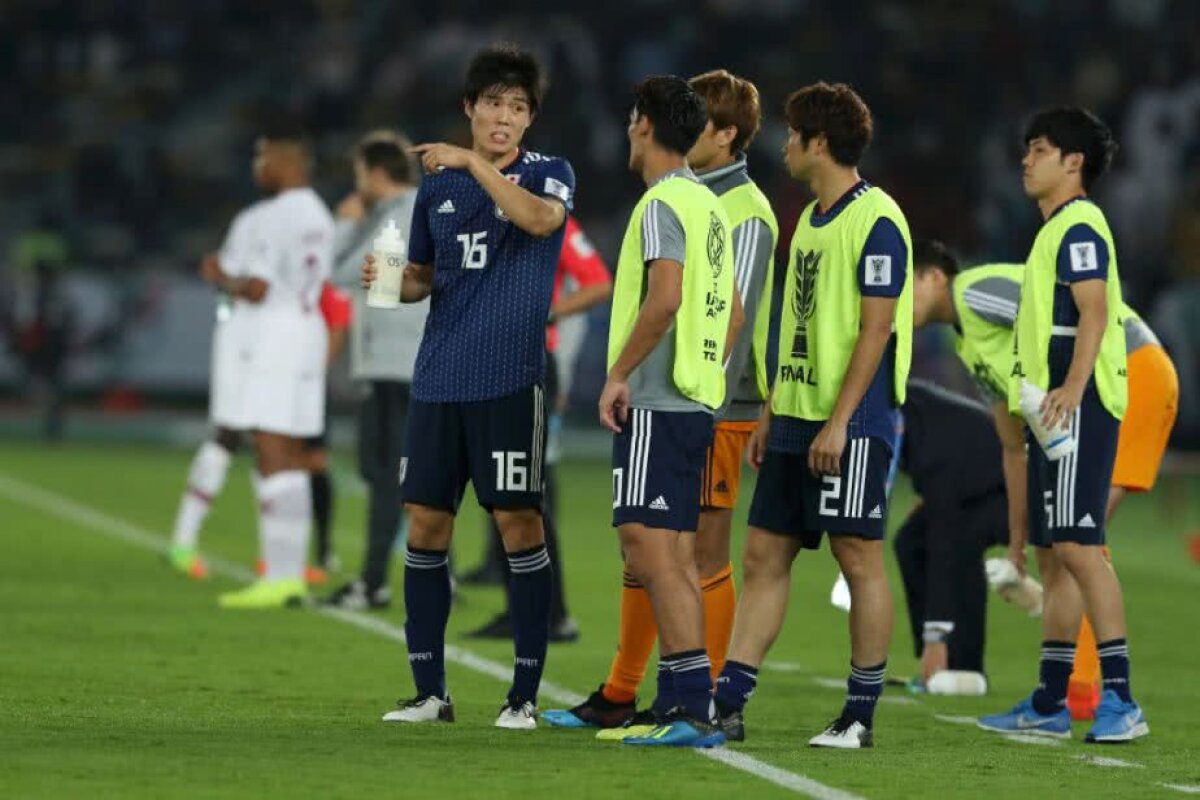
423	709
844	734
518	715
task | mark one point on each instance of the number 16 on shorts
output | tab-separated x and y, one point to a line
512	474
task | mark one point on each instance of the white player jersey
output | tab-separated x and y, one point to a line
293	253
238	247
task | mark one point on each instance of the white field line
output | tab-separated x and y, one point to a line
1104	761
1044	741
1179	787
953	720
63	507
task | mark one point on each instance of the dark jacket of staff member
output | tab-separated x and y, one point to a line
951	453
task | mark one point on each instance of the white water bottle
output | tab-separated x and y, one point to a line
959	682
391	256
1005	579
1055	442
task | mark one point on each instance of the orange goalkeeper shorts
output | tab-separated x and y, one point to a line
1153	403
723	464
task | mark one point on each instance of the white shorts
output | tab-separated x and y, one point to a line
273	380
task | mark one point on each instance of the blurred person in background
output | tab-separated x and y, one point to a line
582	268
338	312
38	321
383	351
269	375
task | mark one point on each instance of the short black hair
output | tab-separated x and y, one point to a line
281	126
387	150
508	66
835	110
674	108
1076	130
933	254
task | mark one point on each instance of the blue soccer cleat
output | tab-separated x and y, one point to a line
680	731
1024	720
1117	721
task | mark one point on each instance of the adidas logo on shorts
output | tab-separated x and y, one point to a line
1087	521
446	208
659	504
876	513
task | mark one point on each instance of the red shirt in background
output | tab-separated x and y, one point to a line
579	261
336	307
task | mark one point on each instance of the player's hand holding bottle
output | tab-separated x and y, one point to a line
369	271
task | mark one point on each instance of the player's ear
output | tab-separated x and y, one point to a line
468	108
1073	162
725	136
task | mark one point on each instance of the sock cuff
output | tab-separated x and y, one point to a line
285	494
1112	643
740	666
531	560
1050	644
723	575
868	675
282	482
687	660
416	558
630	582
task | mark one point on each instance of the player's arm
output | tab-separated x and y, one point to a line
249	288
535	214
882	268
1083	265
1011	431
664	295
581	262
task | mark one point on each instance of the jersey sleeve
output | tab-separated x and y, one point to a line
420	240
994	300
557	180
335	307
580	260
1083	255
662	234
884	261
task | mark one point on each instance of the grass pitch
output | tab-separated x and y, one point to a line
119	678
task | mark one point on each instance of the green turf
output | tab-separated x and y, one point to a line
119	679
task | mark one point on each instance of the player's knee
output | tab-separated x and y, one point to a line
859	559
429	528
761	563
1078	560
521	529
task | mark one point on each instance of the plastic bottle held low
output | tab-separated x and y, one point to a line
391	256
1056	442
960	683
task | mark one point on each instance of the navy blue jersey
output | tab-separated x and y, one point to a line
486	332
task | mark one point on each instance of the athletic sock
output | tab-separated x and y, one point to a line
735	686
720	602
863	688
427	606
285	520
665	699
1114	665
205	478
691	676
531	580
1058	658
638	632
322	498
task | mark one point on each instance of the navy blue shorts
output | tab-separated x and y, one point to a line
791	501
496	444
1068	498
658	464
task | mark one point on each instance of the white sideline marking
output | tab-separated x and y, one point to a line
1103	761
1044	741
784	666
1179	787
955	720
63	507
830	683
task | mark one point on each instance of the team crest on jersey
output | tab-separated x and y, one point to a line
716	244
513	177
804	298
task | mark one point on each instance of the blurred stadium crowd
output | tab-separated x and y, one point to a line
126	138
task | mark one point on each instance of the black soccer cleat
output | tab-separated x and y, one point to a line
733	724
595	712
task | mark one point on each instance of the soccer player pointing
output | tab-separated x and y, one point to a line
823	443
672	303
486	235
